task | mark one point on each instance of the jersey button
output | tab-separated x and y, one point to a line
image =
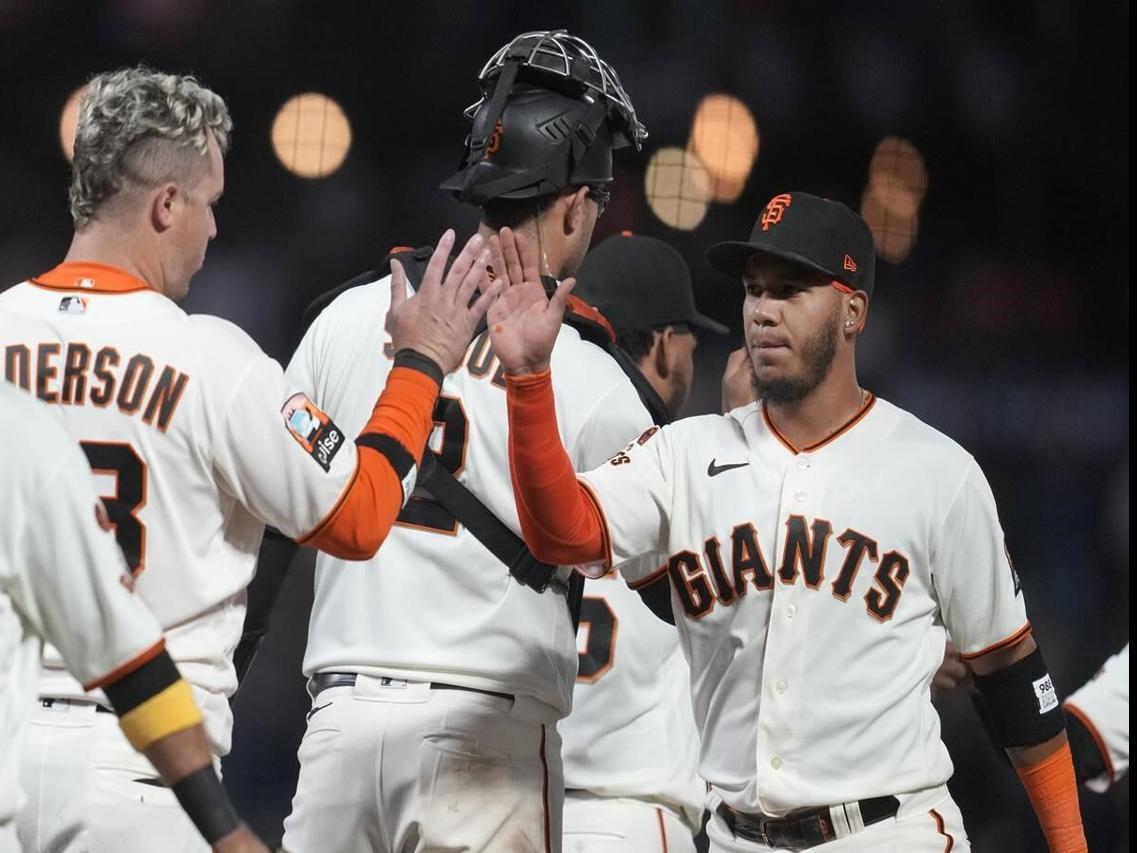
776	763
802	464
780	687
799	497
790	611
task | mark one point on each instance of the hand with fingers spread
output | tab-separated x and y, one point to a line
524	321
439	320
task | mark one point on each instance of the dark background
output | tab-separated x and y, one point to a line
1006	327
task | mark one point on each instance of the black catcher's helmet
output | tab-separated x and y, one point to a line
551	113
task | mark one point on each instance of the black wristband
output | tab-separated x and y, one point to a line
207	804
417	361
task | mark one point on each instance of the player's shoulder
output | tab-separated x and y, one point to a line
908	433
580	364
221	337
358	304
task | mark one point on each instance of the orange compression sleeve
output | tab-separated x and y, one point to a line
399	428
1053	792
560	521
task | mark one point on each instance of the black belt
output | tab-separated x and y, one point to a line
804	829
321	681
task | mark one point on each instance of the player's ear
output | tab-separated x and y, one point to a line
576	211
162	203
855	314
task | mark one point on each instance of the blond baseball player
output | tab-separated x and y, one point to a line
196	438
820	544
630	745
438	679
1097	716
62	578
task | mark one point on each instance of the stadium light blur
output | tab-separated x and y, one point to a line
724	136
67	121
311	135
677	188
897	184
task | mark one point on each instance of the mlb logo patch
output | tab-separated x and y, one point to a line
1046	694
312	429
72	305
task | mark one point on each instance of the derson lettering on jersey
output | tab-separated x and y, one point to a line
812	591
75	374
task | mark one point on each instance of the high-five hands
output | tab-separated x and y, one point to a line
524	321
439	320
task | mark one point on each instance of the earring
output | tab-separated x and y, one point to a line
848	324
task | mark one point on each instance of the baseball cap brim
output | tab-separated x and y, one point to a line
701	321
731	257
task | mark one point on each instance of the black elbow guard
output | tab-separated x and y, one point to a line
1022	702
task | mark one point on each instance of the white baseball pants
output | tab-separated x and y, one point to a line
389	766
82	778
619	825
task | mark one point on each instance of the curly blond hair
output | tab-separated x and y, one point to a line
138	128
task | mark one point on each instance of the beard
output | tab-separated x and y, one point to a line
816	356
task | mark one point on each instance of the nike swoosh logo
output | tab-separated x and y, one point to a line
714	470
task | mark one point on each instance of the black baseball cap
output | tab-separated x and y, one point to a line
815	232
640	282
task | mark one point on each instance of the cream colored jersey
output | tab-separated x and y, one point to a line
812	590
1102	704
182	420
631	732
434	604
62	578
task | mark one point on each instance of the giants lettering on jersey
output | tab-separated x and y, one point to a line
77	376
726	576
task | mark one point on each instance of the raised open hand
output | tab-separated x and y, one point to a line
439	320
524	321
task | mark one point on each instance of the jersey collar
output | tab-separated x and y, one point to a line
837	433
89	276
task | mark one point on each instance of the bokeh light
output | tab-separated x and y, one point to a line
67	121
311	135
894	234
677	188
724	136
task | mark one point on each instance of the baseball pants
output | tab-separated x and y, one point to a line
88	791
924	824
390	766
620	825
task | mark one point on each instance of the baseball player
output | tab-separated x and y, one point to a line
1097	721
62	578
437	679
630	748
820	544
194	434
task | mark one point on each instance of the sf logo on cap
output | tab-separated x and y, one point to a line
772	215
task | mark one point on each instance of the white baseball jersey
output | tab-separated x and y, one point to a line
181	420
1103	705
62	578
434	604
812	590
631	732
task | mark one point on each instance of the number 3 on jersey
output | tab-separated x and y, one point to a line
422	512
120	461
596	639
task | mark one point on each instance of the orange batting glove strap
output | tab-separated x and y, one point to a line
1053	791
405	413
559	522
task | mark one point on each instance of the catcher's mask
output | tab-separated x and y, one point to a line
551	113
